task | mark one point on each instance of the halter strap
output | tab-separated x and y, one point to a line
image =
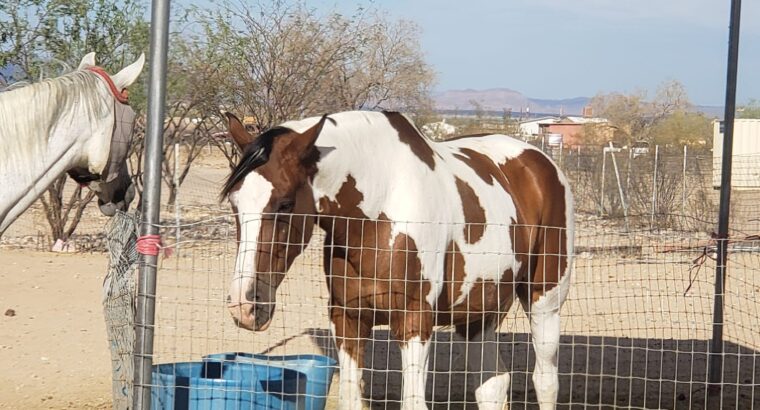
120	95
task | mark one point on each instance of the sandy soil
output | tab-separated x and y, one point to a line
53	351
616	350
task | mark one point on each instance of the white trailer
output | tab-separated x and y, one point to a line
745	169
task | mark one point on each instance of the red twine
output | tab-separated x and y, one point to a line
151	245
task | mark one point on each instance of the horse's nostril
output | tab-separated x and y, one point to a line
252	296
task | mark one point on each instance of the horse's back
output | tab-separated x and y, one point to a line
535	183
541	195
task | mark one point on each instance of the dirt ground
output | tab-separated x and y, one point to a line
54	355
53	346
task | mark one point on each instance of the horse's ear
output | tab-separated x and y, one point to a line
305	142
87	61
128	74
241	137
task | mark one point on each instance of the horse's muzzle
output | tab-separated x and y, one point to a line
252	316
110	208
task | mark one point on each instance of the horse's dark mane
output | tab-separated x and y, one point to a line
254	155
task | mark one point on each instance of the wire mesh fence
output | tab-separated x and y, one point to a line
119	291
663	188
635	327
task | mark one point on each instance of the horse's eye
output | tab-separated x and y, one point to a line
285	206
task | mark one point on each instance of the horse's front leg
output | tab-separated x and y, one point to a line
413	330
350	336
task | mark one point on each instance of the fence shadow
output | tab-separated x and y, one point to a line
595	372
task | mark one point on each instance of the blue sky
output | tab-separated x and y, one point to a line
563	49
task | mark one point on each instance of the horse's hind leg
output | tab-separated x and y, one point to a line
544	317
544	326
484	360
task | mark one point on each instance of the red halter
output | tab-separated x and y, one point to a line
120	95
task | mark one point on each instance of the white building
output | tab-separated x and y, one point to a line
745	165
532	127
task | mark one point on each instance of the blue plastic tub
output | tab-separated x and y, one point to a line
226	385
317	369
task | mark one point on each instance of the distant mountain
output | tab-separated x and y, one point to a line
710	111
500	99
497	100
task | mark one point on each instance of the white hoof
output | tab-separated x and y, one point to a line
493	394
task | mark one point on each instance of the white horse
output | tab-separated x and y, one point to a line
79	123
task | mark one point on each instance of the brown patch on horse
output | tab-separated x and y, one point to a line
346	201
366	273
409	135
480	163
454	273
374	284
484	167
352	329
411	315
541	198
484	301
474	214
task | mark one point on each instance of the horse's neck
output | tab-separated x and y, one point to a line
41	136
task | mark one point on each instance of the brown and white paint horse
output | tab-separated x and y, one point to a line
418	234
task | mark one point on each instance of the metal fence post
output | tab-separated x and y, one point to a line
716	345
654	184
175	182
683	191
151	204
604	169
623	202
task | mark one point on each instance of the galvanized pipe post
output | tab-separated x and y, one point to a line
716	345
654	185
683	184
604	166
151	204
175	182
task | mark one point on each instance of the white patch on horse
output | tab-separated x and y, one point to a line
251	199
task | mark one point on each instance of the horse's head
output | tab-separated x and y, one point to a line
271	195
106	171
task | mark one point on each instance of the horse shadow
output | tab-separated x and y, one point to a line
594	371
